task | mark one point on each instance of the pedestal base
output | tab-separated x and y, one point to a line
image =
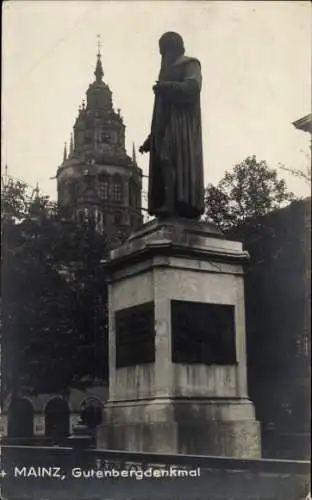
208	427
177	353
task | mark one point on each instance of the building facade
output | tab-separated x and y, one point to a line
48	417
97	180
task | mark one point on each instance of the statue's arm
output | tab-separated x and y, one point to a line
193	78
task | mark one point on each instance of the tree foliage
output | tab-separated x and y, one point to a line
251	190
14	201
53	296
244	205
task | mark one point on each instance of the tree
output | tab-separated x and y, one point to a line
53	298
14	201
244	205
251	190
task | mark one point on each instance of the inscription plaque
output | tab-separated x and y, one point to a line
135	335
203	333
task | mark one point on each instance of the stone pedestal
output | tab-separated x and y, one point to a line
177	359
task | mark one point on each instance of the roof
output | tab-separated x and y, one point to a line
304	123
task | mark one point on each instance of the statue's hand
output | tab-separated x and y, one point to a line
145	148
161	86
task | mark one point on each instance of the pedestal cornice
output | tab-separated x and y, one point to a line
179	238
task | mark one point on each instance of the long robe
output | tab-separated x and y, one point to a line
176	142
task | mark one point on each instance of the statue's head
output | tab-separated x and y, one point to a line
171	44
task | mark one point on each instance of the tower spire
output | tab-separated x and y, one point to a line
99	73
65	152
71	144
133	153
99	44
37	191
5	177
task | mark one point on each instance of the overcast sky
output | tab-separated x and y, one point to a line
256	63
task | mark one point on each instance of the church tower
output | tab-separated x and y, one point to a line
97	180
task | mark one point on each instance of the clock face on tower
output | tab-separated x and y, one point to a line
108	137
105	137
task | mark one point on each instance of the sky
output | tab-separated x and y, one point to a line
256	64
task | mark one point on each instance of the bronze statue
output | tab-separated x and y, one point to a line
176	184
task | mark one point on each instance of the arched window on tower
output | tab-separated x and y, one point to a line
98	138
73	188
117	188
103	186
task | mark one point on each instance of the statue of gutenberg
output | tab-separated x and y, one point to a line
176	185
